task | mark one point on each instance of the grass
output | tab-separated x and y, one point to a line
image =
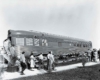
87	73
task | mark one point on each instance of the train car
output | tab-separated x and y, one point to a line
37	42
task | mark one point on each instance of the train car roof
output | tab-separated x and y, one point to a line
36	33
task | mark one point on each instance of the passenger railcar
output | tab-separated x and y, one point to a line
37	42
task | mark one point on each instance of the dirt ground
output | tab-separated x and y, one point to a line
87	73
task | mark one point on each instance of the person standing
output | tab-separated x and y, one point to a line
89	55
32	61
50	61
84	60
53	61
92	55
23	63
99	54
40	58
96	55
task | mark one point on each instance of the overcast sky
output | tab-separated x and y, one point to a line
73	18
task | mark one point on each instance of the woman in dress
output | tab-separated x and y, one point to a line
32	61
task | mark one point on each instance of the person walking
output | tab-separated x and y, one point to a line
23	63
18	64
32	61
99	54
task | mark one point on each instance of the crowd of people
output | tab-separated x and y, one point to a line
92	55
22	63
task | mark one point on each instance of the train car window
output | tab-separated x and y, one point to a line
77	45
44	42
83	45
29	41
70	44
36	42
20	41
74	44
80	45
59	44
86	45
90	44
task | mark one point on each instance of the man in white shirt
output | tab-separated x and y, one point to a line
40	58
50	62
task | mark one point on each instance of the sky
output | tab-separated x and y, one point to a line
72	18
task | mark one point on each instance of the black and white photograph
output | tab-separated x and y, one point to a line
49	39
